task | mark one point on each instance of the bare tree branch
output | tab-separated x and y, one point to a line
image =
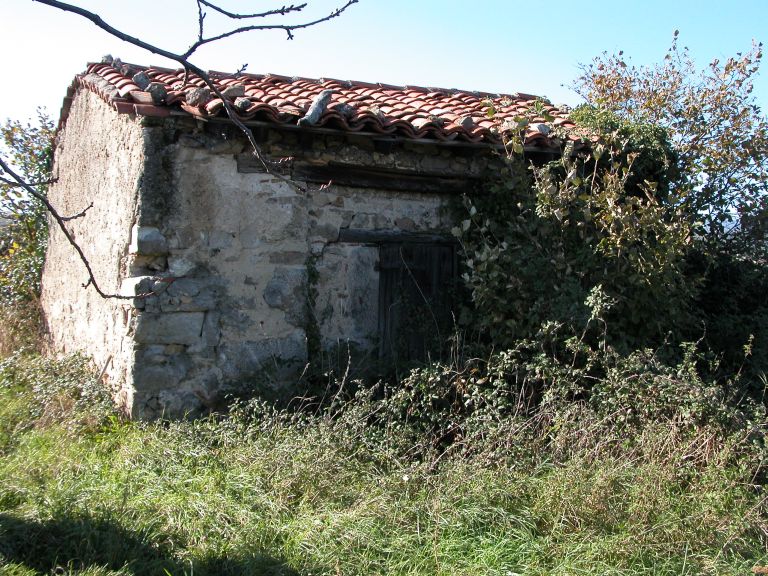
237	16
79	214
182	58
12	184
189	67
287	28
67	234
200	20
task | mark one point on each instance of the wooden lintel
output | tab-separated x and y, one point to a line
384	178
365	176
357	236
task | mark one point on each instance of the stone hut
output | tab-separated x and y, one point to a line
242	268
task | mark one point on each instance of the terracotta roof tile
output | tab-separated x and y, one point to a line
410	111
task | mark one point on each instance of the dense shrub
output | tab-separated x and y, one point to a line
732	308
645	236
536	244
438	406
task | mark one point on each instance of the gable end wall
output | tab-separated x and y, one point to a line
99	159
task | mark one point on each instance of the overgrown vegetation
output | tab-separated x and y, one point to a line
659	215
564	488
720	190
23	230
609	418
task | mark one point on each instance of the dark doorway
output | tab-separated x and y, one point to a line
417	293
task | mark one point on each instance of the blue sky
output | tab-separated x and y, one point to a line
490	45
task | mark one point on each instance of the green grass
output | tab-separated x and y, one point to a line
85	493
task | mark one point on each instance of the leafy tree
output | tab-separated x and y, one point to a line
24	231
718	131
651	233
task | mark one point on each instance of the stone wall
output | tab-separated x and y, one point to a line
251	247
99	159
249	269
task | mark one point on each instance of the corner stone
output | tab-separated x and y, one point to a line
171	328
147	241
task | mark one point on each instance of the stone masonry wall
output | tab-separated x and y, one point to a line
99	159
245	266
245	249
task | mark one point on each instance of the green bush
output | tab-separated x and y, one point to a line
647	147
588	250
733	310
539	239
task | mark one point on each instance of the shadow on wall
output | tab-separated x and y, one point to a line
68	545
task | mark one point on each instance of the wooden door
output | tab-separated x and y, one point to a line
416	295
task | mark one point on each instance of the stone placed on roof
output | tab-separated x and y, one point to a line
405	111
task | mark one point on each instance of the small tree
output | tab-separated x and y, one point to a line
24	231
719	133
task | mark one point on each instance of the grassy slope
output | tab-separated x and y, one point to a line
272	496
